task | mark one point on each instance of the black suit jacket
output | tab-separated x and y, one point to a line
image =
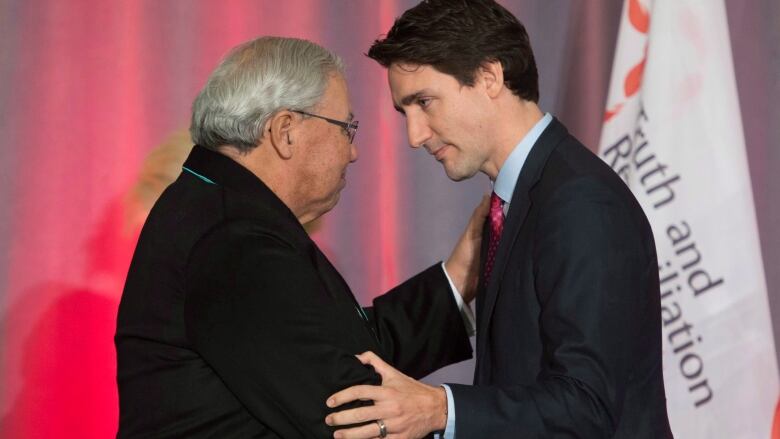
568	327
234	324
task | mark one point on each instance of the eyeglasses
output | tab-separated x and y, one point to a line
350	127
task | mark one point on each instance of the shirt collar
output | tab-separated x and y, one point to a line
506	180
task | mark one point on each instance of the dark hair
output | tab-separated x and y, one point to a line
456	37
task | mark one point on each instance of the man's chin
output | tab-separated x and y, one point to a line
455	174
324	205
334	200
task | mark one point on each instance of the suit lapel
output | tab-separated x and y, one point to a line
334	283
338	288
518	211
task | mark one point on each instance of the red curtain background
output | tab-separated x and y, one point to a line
88	89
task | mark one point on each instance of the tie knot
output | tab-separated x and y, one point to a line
496	212
496	203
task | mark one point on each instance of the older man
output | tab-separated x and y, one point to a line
232	322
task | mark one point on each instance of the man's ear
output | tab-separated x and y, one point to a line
280	133
491	74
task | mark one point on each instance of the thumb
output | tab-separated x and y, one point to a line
478	217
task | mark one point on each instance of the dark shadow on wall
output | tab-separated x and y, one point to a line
60	356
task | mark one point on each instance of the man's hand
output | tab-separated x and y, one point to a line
408	408
463	264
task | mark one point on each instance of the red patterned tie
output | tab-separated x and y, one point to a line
496	218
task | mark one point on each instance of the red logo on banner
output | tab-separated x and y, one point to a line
639	17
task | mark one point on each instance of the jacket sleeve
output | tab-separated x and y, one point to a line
257	313
593	262
420	326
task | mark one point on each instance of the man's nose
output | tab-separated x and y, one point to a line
417	130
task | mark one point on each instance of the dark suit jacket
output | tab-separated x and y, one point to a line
234	324
568	327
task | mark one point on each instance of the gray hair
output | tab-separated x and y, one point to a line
256	80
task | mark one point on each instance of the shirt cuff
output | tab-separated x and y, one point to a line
465	310
449	429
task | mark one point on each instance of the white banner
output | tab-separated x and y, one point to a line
673	131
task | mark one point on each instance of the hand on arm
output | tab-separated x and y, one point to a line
409	408
463	264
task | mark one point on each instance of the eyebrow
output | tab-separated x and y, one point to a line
408	99
350	117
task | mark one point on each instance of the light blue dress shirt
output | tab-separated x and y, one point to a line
504	187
